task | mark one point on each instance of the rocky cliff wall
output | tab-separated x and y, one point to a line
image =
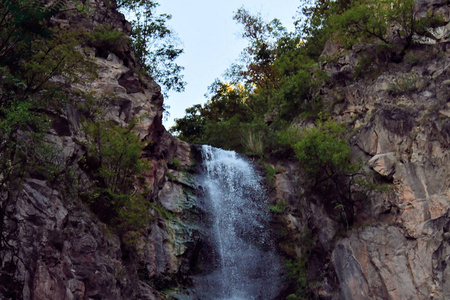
399	116
55	247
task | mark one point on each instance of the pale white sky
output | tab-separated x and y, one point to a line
212	42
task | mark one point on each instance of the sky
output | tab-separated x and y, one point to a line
212	42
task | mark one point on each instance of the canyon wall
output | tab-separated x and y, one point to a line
53	246
399	117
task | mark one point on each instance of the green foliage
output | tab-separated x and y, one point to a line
175	163
154	44
355	21
113	157
297	270
191	127
115	152
323	150
272	87
105	38
316	26
259	56
270	174
219	121
21	22
32	55
162	212
280	207
324	154
134	213
279	77
365	20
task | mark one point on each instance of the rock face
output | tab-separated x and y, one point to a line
398	245
52	245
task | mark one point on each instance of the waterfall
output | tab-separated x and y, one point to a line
241	262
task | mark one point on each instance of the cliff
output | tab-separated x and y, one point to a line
53	246
398	113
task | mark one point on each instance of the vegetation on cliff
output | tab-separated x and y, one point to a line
46	68
70	143
279	80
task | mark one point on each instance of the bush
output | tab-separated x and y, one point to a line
114	158
323	153
365	20
107	39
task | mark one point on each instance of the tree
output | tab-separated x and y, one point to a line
191	127
219	121
371	19
356	21
20	22
314	26
259	56
31	56
154	44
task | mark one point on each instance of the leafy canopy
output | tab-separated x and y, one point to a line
32	55
154	44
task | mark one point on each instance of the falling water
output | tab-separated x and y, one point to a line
244	262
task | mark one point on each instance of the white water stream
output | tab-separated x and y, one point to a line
246	265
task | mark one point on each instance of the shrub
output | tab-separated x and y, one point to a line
323	151
324	155
365	20
107	39
280	207
114	158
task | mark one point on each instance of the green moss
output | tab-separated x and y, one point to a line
270	174
162	212
280	207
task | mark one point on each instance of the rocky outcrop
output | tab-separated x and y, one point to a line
399	115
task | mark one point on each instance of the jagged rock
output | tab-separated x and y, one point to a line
383	164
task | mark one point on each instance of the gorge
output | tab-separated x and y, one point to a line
99	201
